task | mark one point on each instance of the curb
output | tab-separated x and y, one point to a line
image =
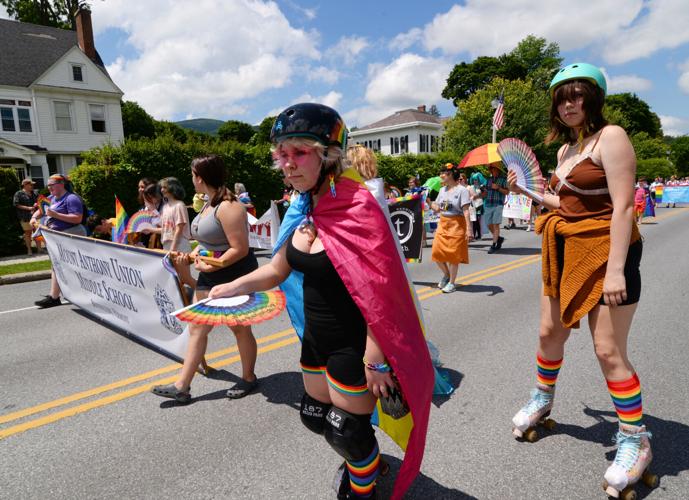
25	277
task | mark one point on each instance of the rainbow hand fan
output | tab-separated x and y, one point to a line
241	310
143	219
43	204
517	156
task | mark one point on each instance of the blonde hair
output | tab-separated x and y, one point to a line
363	160
334	161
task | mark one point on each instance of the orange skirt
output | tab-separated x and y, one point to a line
449	243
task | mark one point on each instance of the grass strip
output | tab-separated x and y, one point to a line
24	267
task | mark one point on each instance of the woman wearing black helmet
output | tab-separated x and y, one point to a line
349	301
591	255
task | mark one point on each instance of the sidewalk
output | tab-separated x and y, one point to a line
27	276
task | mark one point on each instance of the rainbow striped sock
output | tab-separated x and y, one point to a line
626	396
363	474
547	370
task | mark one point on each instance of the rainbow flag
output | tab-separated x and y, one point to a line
659	193
119	234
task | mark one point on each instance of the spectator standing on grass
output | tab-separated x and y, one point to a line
25	203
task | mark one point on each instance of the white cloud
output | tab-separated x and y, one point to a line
184	65
405	40
683	81
331	99
493	27
664	25
348	49
674	126
626	83
309	14
407	82
323	74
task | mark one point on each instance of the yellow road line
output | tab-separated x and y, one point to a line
482	271
463	281
75	410
131	380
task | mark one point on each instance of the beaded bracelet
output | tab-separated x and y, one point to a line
377	367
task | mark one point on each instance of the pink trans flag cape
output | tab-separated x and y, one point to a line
358	242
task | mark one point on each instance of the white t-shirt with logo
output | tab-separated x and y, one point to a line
451	201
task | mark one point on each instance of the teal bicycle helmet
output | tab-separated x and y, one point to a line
579	71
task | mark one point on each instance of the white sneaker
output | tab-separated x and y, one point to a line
443	282
449	288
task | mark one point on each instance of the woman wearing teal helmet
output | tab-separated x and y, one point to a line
591	255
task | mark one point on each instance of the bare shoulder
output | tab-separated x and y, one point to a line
613	133
231	210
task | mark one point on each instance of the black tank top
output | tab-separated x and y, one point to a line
329	309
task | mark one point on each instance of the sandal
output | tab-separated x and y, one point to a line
170	391
242	388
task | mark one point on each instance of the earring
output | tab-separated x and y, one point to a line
332	185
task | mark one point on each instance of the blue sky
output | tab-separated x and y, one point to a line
247	59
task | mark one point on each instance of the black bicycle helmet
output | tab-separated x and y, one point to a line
311	120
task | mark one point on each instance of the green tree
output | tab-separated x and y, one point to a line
433	110
235	130
136	122
55	13
262	135
654	167
679	155
526	117
533	58
637	113
648	147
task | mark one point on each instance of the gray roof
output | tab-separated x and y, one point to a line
28	50
402	117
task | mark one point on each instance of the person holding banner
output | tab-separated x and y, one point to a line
591	255
221	228
350	303
64	215
451	241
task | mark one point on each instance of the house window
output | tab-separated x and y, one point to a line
404	144
63	116
423	143
7	116
97	112
434	143
24	119
77	73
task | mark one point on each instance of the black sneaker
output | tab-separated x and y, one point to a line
492	248
47	302
498	245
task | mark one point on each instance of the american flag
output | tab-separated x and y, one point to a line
499	115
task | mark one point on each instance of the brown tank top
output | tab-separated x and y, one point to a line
584	190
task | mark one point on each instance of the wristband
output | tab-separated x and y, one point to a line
377	367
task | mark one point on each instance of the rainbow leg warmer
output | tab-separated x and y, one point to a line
363	474
626	396
547	370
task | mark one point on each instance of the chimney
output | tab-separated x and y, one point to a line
421	108
85	33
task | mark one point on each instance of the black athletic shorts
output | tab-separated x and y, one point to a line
632	273
243	266
342	366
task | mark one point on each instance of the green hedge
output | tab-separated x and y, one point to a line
11	242
111	170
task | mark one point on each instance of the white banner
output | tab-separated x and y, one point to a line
125	286
263	232
517	206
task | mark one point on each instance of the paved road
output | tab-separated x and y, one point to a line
76	420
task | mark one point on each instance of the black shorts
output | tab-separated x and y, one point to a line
243	266
632	273
343	366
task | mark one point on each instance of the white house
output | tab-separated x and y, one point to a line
407	131
56	98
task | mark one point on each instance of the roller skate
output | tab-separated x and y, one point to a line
535	413
631	463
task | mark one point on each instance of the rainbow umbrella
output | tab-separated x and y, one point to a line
433	183
482	155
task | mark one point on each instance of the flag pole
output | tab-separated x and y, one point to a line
494	133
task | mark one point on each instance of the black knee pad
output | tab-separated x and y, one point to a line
313	413
351	436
